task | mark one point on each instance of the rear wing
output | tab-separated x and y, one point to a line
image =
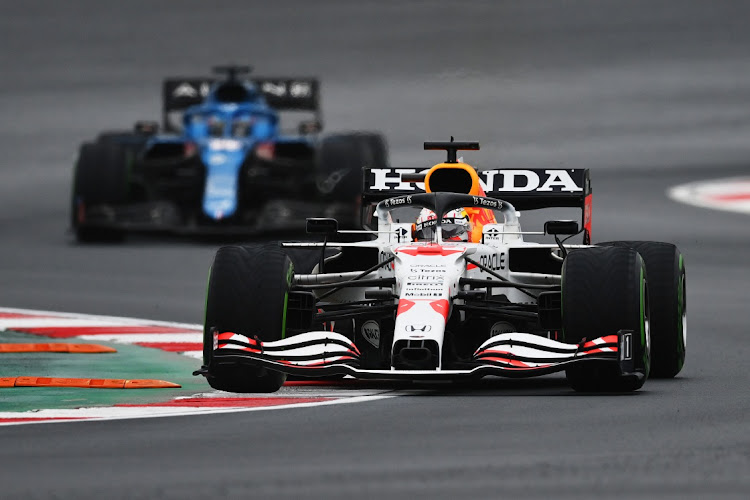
282	94
525	189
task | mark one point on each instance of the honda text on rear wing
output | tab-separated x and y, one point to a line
525	189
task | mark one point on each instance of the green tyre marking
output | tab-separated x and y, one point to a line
205	314
289	279
643	308
283	316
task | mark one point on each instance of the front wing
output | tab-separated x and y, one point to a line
514	355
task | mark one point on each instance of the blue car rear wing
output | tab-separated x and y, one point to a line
281	94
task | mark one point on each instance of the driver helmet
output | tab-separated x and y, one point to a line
456	225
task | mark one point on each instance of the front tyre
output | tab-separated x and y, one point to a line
247	293
666	285
604	291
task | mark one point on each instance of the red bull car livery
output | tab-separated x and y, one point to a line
457	295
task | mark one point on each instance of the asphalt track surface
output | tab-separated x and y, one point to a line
647	94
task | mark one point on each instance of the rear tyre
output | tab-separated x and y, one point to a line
604	291
100	178
340	160
666	285
247	294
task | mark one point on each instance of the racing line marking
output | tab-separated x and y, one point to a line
730	194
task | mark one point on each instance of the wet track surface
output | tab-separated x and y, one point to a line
648	95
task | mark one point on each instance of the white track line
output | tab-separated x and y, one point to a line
104	320
49	319
6	323
729	194
122	413
133	338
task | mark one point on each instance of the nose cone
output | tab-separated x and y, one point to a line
223	159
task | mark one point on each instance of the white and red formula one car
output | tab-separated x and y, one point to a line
445	287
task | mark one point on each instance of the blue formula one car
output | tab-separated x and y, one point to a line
221	163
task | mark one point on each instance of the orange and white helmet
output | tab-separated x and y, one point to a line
456	225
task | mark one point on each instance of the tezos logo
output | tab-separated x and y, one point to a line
401	200
371	332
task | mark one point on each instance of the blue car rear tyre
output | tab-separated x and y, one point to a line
100	178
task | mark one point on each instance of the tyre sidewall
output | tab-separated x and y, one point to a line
604	290
667	286
247	293
340	159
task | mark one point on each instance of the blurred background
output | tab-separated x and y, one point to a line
581	83
584	83
647	93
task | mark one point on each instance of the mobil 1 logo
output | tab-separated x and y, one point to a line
371	332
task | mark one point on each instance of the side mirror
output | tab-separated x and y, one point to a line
321	225
310	127
556	227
